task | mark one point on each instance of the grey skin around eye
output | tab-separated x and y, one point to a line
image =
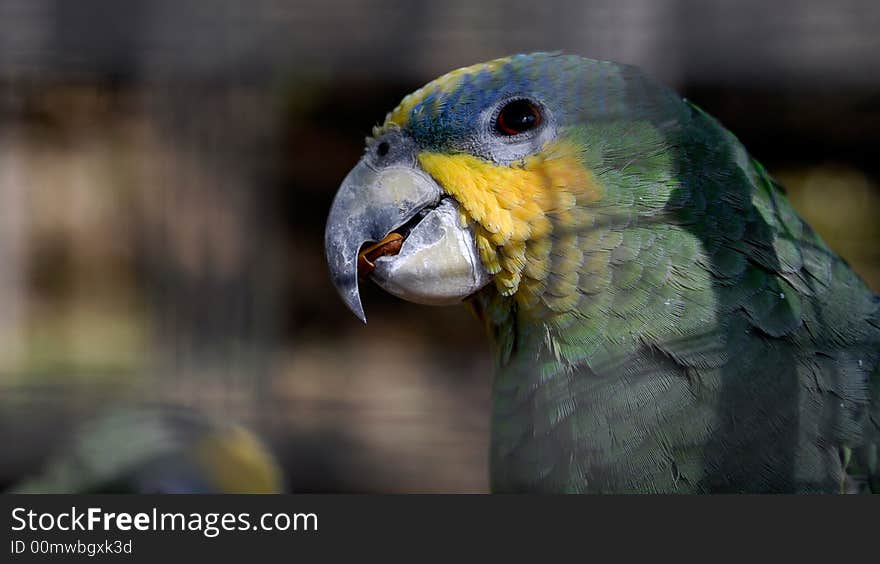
492	145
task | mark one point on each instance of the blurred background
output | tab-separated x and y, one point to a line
166	168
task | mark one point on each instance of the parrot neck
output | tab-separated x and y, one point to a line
521	333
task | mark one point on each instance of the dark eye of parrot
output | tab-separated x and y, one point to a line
517	116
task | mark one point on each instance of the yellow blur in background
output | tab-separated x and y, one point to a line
166	169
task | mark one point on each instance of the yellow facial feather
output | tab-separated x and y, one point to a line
516	209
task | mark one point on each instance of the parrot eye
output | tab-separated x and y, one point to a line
517	116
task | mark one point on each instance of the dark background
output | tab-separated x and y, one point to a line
166	168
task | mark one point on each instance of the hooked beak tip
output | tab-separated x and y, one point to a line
360	315
348	288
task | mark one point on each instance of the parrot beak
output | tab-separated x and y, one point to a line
394	225
368	206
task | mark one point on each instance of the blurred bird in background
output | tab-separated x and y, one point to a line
661	319
158	450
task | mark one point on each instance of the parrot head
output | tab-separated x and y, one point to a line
475	179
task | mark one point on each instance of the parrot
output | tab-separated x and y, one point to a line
158	450
661	319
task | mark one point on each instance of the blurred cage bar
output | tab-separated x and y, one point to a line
166	168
